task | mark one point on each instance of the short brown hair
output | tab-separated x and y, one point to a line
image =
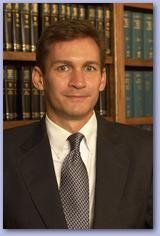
67	30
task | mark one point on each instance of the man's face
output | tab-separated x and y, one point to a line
73	78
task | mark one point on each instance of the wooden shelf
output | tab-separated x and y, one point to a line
19	56
148	6
109	60
138	63
139	121
31	56
16	123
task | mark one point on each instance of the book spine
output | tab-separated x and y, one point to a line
8	46
25	92
99	19
42	103
62	11
74	11
68	11
103	103
129	93
45	14
107	29
4	95
146	127
35	102
148	93
91	14
108	91
138	93
54	10
137	35
16	27
25	26
11	78
34	25
148	36
127	33
81	12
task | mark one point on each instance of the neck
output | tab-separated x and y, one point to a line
71	125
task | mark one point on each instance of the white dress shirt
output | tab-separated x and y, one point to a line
60	148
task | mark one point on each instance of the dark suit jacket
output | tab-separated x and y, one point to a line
123	179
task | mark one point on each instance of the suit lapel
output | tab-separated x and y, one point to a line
111	173
36	168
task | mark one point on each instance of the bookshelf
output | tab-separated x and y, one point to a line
19	56
116	61
120	62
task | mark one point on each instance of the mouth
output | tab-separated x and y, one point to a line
77	97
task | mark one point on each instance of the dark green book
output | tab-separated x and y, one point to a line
25	91
148	35
4	99
45	15
91	14
138	93
100	20
74	11
10	87
149	128
62	11
148	93
25	26
34	23
42	103
129	93
68	11
137	35
107	29
17	43
7	27
54	11
81	11
127	33
35	102
101	104
109	91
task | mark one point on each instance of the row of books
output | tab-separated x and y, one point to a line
23	101
24	22
138	34
146	127
139	93
21	30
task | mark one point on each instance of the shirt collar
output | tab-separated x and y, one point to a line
58	136
89	130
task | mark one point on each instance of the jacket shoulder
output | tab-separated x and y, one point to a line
19	134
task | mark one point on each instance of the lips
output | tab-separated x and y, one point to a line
77	97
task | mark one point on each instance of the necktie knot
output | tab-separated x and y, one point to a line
75	140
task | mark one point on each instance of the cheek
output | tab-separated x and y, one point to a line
95	84
54	85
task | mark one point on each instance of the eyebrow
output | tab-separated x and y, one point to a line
70	62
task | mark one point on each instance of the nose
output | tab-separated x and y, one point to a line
77	79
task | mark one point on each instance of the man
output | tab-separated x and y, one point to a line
116	159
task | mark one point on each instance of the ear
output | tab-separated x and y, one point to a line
37	78
103	80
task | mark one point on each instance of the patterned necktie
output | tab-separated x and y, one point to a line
74	187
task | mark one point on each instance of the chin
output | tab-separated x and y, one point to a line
77	115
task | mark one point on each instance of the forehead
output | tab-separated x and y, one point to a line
78	48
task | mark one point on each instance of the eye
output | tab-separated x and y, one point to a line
63	68
89	68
